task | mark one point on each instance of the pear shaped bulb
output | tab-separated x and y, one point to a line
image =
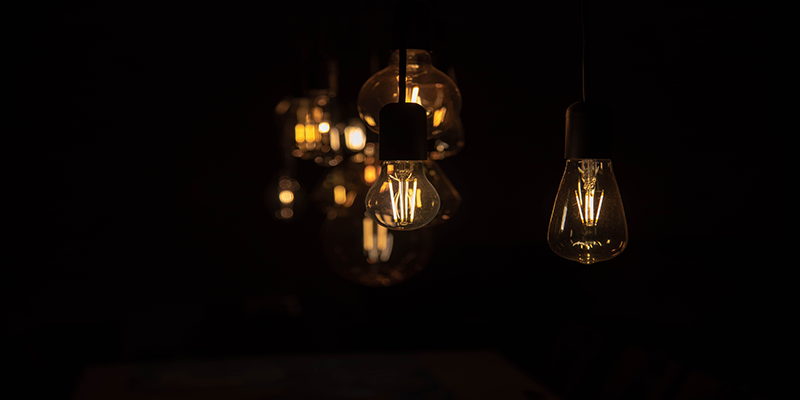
402	197
588	221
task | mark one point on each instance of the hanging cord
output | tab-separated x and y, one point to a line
401	80
584	61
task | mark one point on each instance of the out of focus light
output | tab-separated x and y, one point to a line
286	196
339	194
355	138
335	145
370	173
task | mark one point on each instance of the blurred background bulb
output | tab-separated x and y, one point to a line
402	198
339	187
311	127
588	221
425	85
367	253
284	197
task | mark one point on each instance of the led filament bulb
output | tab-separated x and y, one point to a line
402	198
588	221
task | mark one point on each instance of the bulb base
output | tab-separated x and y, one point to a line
589	131
404	132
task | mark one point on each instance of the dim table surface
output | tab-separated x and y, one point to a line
450	375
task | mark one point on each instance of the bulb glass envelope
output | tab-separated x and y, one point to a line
588	223
425	85
402	197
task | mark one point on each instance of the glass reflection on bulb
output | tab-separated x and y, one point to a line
588	223
402	198
367	253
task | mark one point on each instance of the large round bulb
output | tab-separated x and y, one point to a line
588	222
402	198
425	85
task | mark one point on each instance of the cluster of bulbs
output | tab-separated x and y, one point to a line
376	208
366	197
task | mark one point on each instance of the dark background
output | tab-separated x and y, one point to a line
148	139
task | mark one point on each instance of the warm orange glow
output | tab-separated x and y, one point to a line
354	137
367	234
382	238
286	196
317	113
370	173
311	133
351	197
339	194
299	133
334	137
282	107
371	121
438	116
412	95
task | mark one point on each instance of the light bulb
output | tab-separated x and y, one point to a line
425	85
339	188
366	253
588	221
402	197
284	197
311	130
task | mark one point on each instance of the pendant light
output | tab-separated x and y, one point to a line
402	198
588	222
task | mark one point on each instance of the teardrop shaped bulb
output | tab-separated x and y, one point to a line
588	221
402	198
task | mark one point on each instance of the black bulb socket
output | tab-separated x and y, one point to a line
589	131
403	132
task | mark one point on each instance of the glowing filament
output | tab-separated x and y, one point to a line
587	198
406	199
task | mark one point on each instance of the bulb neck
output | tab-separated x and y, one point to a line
589	129
404	132
415	58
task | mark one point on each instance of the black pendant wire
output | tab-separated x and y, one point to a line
401	79
584	53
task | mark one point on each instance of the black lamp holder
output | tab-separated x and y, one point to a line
403	132
589	125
